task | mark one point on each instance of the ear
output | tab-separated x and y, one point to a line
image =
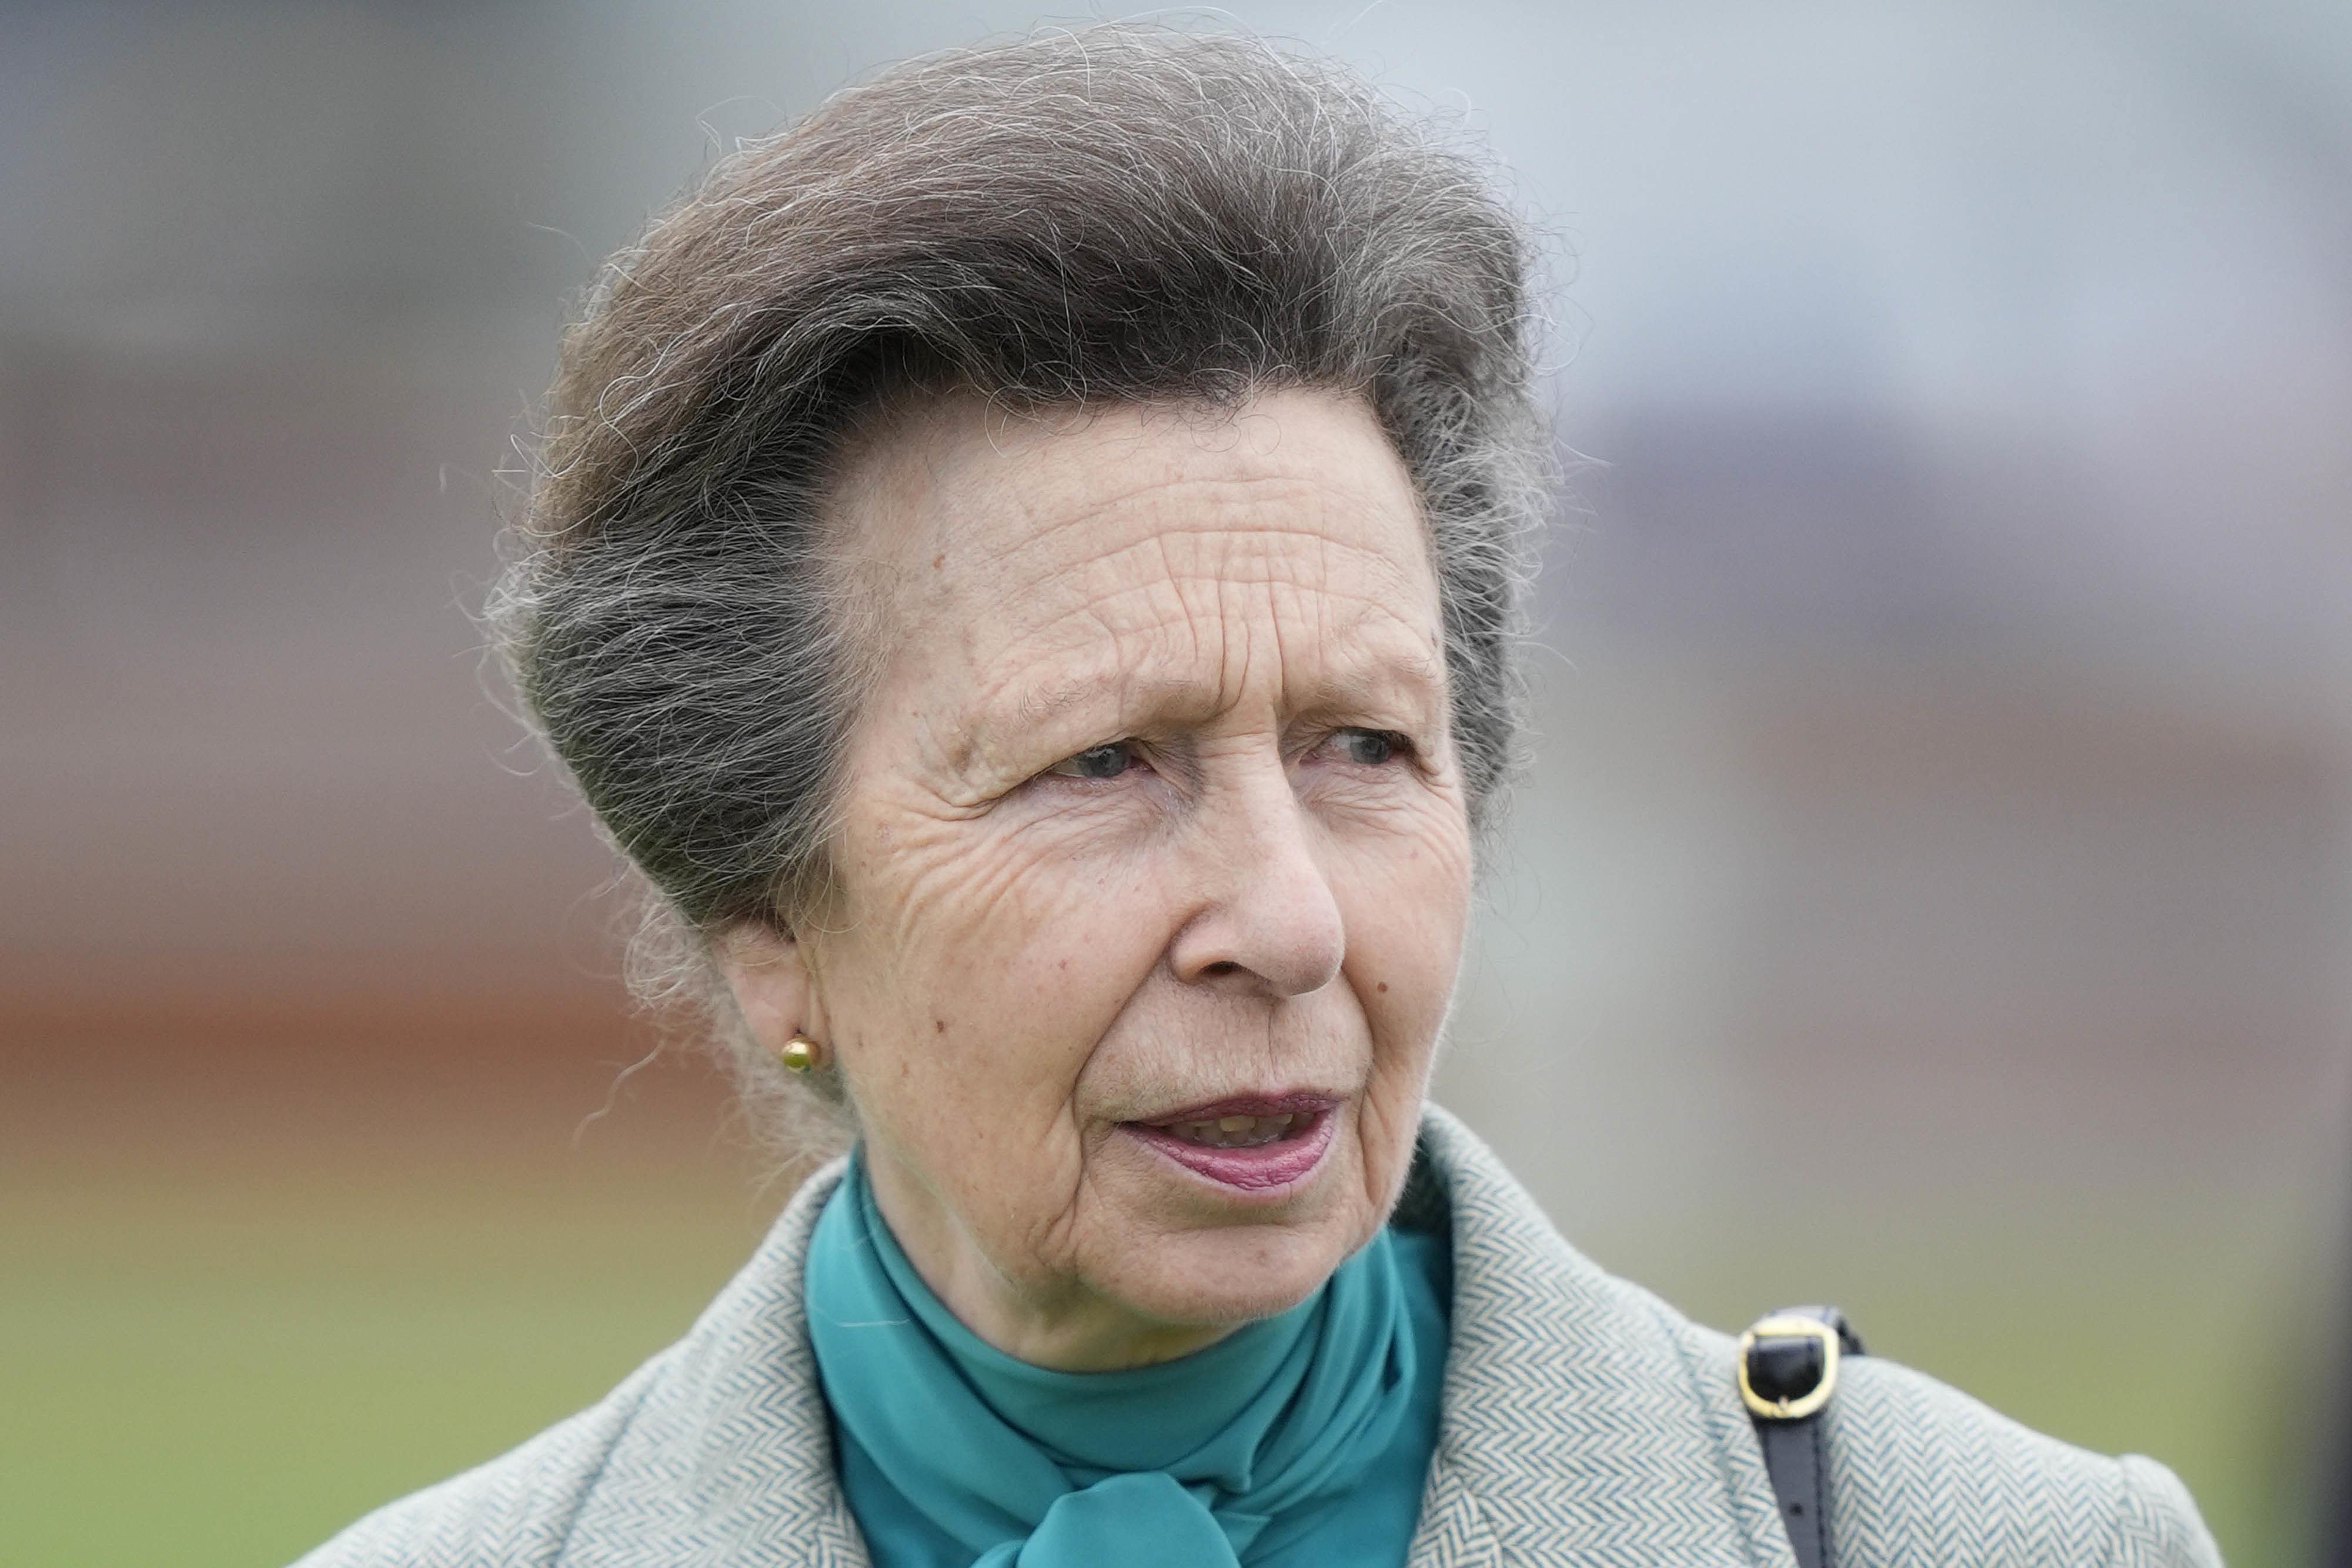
769	975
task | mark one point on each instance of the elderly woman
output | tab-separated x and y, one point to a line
1026	564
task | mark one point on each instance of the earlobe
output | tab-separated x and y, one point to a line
768	974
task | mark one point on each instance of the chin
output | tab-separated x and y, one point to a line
1235	1274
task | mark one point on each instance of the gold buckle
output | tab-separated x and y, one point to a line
1790	1327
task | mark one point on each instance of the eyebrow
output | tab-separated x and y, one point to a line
1362	686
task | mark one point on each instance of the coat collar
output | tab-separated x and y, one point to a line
1584	1422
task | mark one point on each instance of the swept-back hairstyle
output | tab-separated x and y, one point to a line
1119	213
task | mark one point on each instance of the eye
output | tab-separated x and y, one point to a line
1108	760
1371	748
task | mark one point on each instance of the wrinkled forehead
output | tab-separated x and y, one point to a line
1032	561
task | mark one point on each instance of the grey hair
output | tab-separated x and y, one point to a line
1120	214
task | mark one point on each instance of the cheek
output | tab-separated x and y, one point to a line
1406	910
986	969
1407	907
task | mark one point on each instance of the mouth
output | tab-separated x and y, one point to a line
1257	1143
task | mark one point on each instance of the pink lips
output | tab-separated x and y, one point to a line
1255	1167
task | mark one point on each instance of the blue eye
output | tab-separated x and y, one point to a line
1371	748
1107	760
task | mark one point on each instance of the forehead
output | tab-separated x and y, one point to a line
1026	561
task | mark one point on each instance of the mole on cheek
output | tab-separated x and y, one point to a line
939	1026
1384	985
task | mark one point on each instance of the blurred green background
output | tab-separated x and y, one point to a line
1932	892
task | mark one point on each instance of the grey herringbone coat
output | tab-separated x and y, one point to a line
1585	1423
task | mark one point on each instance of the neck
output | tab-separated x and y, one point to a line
1065	1327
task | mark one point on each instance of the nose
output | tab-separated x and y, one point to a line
1269	921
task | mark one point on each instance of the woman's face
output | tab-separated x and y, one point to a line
1154	863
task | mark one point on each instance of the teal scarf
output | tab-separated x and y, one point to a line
1297	1441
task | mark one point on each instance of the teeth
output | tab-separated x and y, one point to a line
1236	1132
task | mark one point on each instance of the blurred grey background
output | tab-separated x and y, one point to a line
1933	891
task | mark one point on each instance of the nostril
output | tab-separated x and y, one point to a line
1221	966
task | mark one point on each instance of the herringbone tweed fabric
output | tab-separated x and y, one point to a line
1585	1423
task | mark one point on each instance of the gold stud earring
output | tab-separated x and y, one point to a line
801	1054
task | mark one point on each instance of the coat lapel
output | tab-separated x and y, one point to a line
1585	1421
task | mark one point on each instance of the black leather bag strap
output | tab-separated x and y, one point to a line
1787	1371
